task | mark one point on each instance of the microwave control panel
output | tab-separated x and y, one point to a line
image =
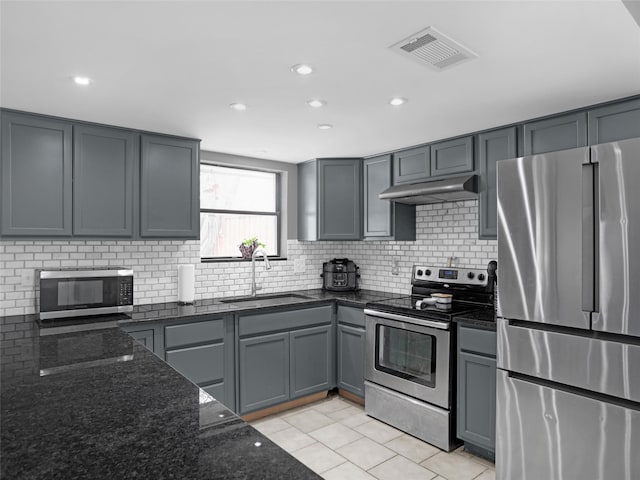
125	291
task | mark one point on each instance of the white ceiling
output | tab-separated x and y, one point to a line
175	66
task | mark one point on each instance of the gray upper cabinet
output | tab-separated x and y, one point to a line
614	122
330	199
556	133
492	146
413	165
104	161
452	156
169	187
384	219
36	176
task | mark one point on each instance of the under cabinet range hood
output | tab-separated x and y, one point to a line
436	191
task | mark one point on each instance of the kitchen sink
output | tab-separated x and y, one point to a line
266	300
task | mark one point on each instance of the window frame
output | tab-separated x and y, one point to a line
277	213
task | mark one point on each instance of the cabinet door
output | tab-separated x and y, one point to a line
340	199
614	122
351	359
557	133
477	400
264	371
312	360
36	176
169	188
103	169
452	156
202	364
492	146
412	165
145	337
377	213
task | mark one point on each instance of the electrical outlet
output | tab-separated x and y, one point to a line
395	267
299	265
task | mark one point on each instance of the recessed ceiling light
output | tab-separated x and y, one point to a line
325	126
240	107
302	69
82	80
397	101
316	103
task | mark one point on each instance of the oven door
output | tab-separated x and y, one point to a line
409	355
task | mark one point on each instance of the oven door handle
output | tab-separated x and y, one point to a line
405	318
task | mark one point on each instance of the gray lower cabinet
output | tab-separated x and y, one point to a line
169	187
351	349
476	409
37	175
452	156
263	371
104	164
614	122
145	337
311	360
284	355
555	133
330	199
202	350
412	165
492	146
384	219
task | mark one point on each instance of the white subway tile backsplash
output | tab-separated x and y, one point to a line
442	231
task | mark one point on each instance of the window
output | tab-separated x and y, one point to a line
236	204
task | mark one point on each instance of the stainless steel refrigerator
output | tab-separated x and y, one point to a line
568	379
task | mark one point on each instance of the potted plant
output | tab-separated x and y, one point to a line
248	246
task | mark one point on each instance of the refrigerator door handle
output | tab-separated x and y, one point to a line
588	238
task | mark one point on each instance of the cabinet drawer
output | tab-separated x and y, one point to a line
191	333
216	391
351	316
287	320
203	364
476	340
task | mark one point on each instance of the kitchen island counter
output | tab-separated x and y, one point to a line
96	404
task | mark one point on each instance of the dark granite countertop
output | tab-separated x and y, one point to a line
218	306
483	318
96	404
89	402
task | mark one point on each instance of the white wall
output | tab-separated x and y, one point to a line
443	230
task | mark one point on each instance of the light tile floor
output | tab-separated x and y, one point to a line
337	440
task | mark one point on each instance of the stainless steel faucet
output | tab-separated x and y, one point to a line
267	266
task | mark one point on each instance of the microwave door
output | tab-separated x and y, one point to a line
540	238
618	211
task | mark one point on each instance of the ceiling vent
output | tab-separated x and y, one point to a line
434	49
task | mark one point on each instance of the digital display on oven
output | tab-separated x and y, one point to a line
448	274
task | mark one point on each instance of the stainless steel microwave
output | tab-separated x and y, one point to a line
84	292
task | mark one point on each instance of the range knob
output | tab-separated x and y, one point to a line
419	273
481	277
427	273
470	275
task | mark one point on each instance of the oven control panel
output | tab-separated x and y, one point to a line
465	276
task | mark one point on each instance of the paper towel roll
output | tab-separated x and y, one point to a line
186	284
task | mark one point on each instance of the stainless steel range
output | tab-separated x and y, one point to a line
410	360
